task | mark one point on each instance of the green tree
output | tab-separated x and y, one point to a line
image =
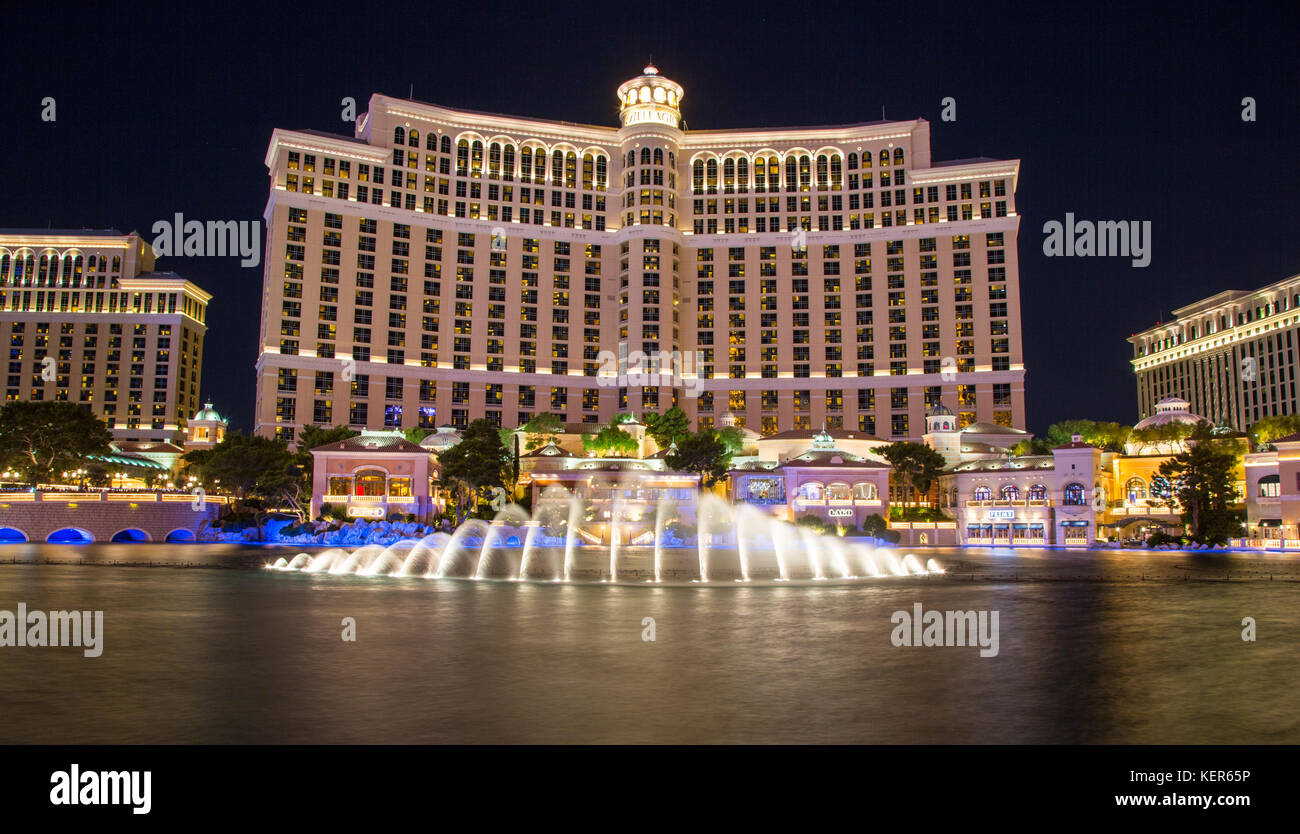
914	466
475	467
733	438
1032	446
667	428
41	438
416	433
1202	478
542	429
309	437
703	452
1104	435
874	525
254	467
1268	429
611	441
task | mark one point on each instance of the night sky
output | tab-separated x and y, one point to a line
1115	114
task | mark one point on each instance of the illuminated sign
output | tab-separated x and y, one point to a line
840	512
643	115
1007	514
365	512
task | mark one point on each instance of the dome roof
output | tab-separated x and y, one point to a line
1170	410
207	413
940	410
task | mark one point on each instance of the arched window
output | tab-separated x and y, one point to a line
791	172
602	172
1037	492
711	175
982	493
462	158
837	173
370	482
571	170
508	163
884	158
645	156
697	176
445	145
672	160
812	491
431	142
898	156
853	161
864	491
476	158
1009	492
413	139
526	164
1270	486
399	136
839	491
823	172
631	159
1135	489
494	160
742	174
805	172
729	175
773	174
659	156
1073	495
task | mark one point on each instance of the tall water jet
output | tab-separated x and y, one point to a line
571	535
615	529
812	552
662	508
511	518
457	543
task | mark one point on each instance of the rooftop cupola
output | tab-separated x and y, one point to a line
650	99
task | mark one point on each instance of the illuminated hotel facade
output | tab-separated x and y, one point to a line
88	321
1231	356
446	265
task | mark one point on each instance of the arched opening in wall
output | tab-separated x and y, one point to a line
131	535
12	535
180	534
70	535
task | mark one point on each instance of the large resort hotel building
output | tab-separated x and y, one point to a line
88	320
1231	356
447	265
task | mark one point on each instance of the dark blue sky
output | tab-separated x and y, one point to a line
1115	113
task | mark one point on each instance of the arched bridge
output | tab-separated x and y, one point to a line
84	517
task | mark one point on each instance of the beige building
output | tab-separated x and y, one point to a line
1231	356
444	265
89	321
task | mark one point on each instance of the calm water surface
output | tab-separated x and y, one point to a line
1111	646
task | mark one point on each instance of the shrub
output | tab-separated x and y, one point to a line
812	521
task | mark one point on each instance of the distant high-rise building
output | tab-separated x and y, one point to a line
446	265
89	321
1231	357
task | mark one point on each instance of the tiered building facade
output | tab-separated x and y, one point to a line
1231	356
446	265
87	320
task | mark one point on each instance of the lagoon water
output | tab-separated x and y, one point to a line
203	645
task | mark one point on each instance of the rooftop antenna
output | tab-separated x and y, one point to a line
411	95
882	114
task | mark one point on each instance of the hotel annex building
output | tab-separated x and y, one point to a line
1231	356
445	265
88	320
